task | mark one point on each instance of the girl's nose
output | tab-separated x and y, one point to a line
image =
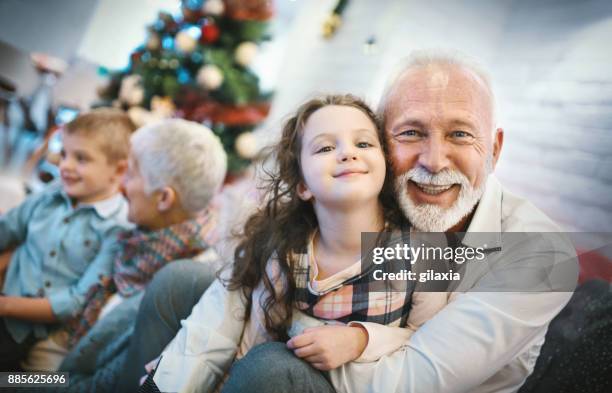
347	153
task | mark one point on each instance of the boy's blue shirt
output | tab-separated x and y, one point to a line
60	251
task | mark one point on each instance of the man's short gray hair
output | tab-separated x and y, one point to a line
181	154
436	57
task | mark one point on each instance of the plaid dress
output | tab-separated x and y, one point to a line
353	294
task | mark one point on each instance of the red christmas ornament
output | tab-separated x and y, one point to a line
135	57
210	33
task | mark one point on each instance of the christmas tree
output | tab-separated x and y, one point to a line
196	65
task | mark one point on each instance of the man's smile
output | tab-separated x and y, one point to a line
433	189
443	195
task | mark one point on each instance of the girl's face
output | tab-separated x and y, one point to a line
342	160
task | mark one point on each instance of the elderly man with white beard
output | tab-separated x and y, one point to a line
439	116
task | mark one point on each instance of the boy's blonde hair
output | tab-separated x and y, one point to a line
112	127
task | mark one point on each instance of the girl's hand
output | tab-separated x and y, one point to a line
329	347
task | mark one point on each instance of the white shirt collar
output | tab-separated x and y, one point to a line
106	207
487	218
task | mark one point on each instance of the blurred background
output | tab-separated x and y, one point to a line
240	66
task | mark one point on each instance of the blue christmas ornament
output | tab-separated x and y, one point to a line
168	43
183	76
194	5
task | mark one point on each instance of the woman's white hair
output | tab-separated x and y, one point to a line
181	154
437	57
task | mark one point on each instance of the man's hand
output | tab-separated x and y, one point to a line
329	347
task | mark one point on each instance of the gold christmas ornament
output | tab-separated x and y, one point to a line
210	77
245	53
185	42
246	145
331	25
131	91
213	7
161	108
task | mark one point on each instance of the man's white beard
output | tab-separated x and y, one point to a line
433	218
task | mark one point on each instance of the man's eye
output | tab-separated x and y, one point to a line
364	145
409	134
324	149
460	134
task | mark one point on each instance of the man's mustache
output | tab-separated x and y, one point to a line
446	177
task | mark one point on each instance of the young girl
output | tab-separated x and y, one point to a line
300	264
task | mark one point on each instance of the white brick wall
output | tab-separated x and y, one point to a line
551	63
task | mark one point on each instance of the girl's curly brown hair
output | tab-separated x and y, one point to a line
282	228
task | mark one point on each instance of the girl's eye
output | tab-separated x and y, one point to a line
324	149
81	158
63	154
364	145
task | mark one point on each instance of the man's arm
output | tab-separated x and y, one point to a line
481	331
382	340
467	342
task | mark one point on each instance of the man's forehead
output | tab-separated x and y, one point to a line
430	77
450	86
439	77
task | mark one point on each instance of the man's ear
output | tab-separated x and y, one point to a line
303	192
166	199
498	142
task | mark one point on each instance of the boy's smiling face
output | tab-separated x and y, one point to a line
87	175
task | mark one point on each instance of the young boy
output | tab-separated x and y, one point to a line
64	236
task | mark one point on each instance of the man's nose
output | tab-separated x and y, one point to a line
434	156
